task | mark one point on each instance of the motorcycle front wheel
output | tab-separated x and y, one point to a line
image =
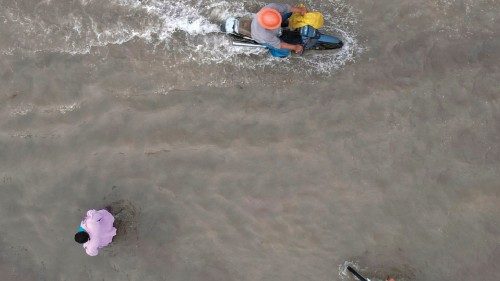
328	46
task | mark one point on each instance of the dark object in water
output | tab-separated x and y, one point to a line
355	273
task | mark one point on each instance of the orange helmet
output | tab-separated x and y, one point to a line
269	18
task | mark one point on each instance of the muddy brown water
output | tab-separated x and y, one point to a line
384	155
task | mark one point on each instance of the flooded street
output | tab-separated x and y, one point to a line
237	166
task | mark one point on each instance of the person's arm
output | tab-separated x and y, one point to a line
91	247
296	48
92	216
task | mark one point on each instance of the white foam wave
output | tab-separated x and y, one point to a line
344	272
25	109
21	110
188	27
217	48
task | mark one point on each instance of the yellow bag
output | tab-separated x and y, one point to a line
314	19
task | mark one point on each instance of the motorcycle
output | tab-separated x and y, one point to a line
311	38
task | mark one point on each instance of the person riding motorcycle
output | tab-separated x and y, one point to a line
266	28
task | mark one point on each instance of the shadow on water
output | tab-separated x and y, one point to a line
125	214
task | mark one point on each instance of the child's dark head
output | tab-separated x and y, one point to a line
82	237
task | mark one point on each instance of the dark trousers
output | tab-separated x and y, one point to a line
288	36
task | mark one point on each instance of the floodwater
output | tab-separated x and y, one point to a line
236	166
